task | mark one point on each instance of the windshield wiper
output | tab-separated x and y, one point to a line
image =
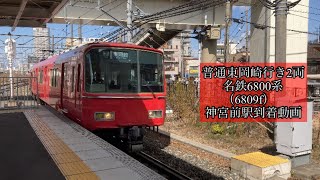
151	90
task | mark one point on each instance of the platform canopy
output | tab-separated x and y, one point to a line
28	13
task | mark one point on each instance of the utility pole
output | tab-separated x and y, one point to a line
71	29
281	31
182	54
266	38
129	20
281	41
226	36
52	45
80	32
199	56
10	50
11	71
247	35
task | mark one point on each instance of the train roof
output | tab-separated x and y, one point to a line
54	58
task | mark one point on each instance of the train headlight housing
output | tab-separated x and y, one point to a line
104	116
155	114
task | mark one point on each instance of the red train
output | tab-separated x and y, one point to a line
118	87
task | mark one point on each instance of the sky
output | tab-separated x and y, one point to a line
237	32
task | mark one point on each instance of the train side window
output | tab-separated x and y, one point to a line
51	77
38	74
78	78
65	76
41	76
72	79
55	77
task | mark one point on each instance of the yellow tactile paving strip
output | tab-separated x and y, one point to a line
260	159
71	166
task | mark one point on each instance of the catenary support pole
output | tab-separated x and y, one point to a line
71	30
281	32
129	20
80	31
226	35
247	35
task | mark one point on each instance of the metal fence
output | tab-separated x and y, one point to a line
15	93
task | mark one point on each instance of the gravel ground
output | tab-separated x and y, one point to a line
193	162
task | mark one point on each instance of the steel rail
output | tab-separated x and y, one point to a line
166	171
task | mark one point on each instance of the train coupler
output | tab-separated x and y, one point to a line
135	138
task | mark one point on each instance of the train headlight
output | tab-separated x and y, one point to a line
104	116
155	114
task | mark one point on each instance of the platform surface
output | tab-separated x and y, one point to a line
74	152
22	154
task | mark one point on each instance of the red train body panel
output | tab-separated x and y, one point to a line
105	85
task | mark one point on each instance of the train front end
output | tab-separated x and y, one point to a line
124	91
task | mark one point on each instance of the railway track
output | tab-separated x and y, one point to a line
159	167
149	161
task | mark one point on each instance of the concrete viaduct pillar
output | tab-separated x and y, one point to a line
209	48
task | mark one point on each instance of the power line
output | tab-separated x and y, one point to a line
65	29
100	14
161	14
308	6
305	12
305	17
33	36
273	5
262	26
195	6
246	12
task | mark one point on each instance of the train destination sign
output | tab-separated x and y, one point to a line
250	92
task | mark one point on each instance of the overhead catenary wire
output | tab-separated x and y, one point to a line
309	7
65	29
147	19
262	26
98	16
273	5
317	20
62	38
232	37
195	6
305	12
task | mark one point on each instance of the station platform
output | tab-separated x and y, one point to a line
42	144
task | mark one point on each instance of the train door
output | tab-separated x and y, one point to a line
40	80
64	87
77	92
45	83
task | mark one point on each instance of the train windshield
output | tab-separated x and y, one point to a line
123	71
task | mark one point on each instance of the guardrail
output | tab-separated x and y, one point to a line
15	93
